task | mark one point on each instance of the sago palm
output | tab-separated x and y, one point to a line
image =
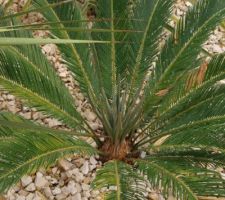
161	98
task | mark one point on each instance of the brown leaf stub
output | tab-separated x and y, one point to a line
162	93
196	78
201	73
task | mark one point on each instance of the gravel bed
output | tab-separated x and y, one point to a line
70	178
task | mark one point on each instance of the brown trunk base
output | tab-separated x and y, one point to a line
115	152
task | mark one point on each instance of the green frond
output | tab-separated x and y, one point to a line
10	123
107	65
191	32
28	41
30	77
204	80
209	131
30	151
185	180
162	178
200	155
184	106
207	135
8	131
156	13
119	175
77	57
180	53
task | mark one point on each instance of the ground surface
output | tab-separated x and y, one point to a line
70	178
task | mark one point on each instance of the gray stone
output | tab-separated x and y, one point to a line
93	161
64	164
56	191
77	196
40	181
26	180
85	168
30	188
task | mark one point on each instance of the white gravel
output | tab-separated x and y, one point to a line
70	178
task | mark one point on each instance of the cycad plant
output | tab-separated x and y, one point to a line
160	101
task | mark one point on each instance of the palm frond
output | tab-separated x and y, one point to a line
28	41
184	106
200	155
15	122
191	32
201	20
29	151
185	180
159	177
128	185
77	57
33	79
157	13
208	131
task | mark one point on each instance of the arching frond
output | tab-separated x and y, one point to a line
10	123
179	55
34	81
119	175
30	150
185	180
77	57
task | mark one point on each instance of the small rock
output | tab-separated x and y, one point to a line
26	115
30	188
40	181
63	74
65	190
64	164
112	188
26	180
56	191
93	161
23	193
92	167
30	196
85	187
54	181
47	192
86	194
78	187
79	162
71	187
85	168
21	198
143	154
53	123
94	126
79	177
61	196
87	180
76	197
90	116
54	170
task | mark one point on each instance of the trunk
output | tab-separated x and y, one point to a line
113	151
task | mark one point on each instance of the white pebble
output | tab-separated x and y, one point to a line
26	180
40	182
31	188
56	191
76	197
85	168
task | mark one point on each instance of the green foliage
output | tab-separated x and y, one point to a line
25	151
160	97
117	174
